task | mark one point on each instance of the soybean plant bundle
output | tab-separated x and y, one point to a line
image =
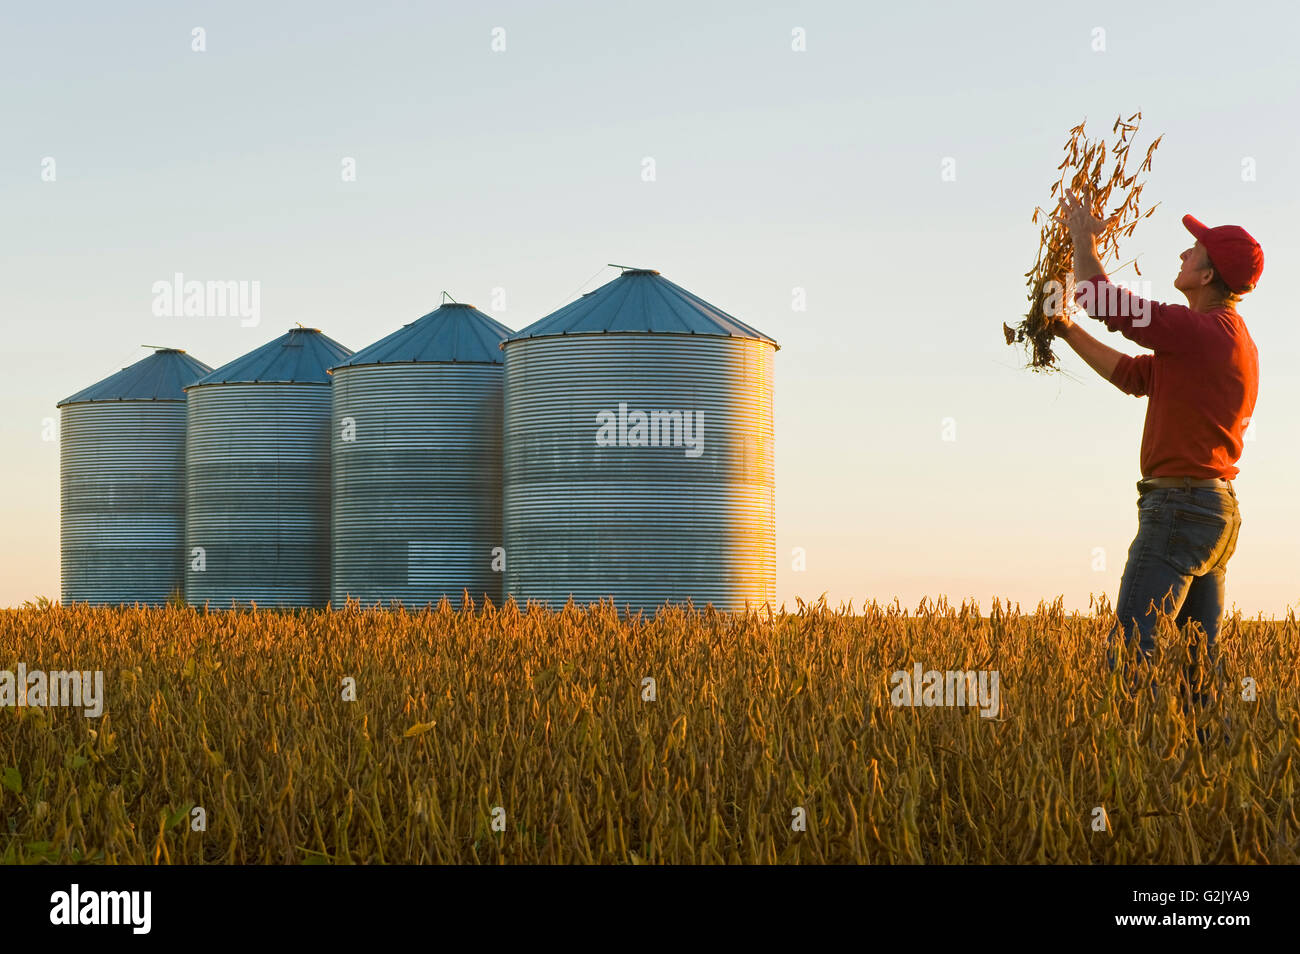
1082	172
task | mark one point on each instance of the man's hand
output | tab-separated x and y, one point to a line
1084	228
1060	326
1078	218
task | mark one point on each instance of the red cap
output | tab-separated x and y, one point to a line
1234	254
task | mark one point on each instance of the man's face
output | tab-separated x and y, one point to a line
1196	270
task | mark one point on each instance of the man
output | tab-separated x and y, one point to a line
1201	382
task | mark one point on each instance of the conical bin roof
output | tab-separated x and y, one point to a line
640	300
162	376
454	332
300	356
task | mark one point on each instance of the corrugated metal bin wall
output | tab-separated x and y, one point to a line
416	460
593	513
258	477
122	484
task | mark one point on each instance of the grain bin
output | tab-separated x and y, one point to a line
416	461
122	483
257	522
639	452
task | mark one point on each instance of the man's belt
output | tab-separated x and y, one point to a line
1148	483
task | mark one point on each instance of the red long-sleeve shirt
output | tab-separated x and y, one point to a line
1201	381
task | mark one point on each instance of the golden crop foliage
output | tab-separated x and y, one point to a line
469	721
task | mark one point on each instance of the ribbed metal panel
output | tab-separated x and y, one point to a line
258	494
644	525
122	501
417	492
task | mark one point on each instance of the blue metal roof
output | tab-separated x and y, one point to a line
301	356
640	300
453	332
162	376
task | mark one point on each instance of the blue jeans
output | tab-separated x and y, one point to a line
1178	562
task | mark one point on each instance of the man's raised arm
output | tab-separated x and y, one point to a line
1152	324
1087	264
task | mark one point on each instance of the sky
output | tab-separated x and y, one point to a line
499	153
